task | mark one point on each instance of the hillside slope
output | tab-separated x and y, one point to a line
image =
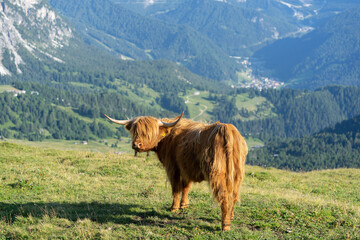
328	55
47	193
234	29
134	36
335	147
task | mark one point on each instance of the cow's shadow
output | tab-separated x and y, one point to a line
124	214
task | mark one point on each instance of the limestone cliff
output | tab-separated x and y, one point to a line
33	26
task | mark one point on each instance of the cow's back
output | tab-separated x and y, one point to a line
200	150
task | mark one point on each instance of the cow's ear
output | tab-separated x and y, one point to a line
164	131
128	126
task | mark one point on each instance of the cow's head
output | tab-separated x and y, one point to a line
146	132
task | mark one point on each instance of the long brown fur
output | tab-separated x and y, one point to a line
193	152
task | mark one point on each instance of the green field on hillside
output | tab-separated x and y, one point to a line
257	107
103	145
4	88
201	107
49	193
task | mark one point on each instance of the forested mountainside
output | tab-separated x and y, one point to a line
77	83
295	113
236	30
75	110
131	89
336	147
69	82
133	36
298	12
328	55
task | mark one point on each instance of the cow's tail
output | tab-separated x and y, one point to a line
236	151
228	169
229	159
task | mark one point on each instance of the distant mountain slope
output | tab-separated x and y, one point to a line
240	27
37	44
29	27
328	55
336	147
235	29
300	12
308	12
297	113
134	36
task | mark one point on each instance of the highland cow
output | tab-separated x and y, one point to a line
192	152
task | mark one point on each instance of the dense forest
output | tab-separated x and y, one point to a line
32	117
296	113
336	147
49	112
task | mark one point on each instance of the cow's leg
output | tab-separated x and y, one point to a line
235	193
224	197
176	186
238	179
185	200
135	155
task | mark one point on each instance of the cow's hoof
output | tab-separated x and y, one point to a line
174	209
183	206
226	227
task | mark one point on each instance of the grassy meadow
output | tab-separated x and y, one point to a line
200	106
4	88
56	194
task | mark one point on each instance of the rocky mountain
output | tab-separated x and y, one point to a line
29	27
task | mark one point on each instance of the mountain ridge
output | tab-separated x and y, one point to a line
328	55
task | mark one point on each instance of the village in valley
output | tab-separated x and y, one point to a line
248	79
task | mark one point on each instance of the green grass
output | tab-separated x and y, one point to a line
144	94
200	108
252	142
85	85
7	125
103	146
243	76
4	88
258	107
48	193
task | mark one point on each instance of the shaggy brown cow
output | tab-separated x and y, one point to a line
193	152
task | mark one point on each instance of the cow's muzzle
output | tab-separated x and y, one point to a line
137	146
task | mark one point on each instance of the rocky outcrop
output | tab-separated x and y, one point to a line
31	25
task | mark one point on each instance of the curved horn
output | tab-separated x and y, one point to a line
121	122
165	124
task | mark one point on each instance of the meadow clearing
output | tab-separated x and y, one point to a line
48	193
